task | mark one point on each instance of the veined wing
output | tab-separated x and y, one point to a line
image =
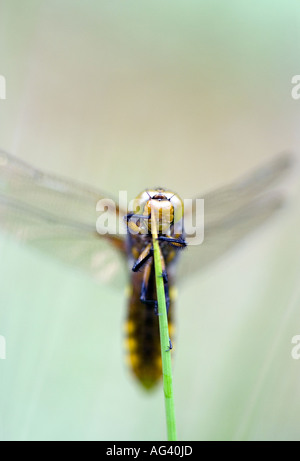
235	210
58	216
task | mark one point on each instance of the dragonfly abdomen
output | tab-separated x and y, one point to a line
142	342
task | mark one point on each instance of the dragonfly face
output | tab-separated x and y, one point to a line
167	206
58	216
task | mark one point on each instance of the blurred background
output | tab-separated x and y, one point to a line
129	95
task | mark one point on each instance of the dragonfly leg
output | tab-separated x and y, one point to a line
133	225
164	276
170	346
146	258
143	257
177	242
155	303
128	217
152	302
145	282
167	297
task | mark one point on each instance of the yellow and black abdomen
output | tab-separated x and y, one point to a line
142	342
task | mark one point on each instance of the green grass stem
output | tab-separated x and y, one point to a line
164	336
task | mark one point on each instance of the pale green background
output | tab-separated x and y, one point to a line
135	94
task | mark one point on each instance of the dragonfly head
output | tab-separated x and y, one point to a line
167	206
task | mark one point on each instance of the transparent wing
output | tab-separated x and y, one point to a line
58	216
230	198
235	210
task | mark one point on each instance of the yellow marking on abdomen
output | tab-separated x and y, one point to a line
158	363
171	329
173	293
129	327
132	360
130	344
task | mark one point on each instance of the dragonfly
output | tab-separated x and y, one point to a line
59	215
